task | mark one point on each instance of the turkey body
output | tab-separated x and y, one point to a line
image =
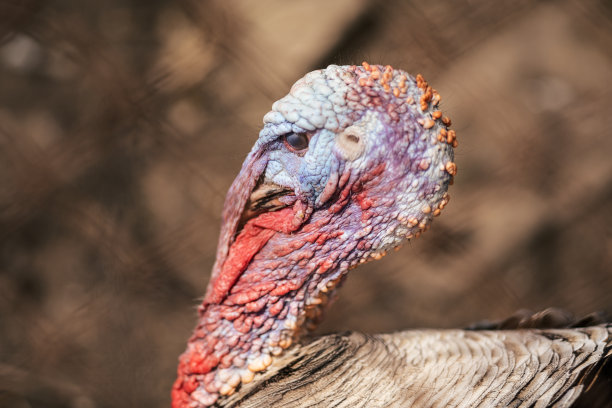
353	162
440	368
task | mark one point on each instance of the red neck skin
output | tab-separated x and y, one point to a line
273	285
252	313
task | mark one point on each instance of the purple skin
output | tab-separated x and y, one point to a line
352	162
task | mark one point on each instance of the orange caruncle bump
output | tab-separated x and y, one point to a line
442	135
444	202
227	389
379	255
451	168
446	120
436	114
420	82
428	123
285	342
396	92
451	138
426	97
366	66
260	363
247	376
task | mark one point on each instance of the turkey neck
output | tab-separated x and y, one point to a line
279	296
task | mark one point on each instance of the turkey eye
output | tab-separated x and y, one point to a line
297	141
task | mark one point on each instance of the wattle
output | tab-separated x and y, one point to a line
254	235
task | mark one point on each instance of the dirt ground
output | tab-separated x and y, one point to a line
122	123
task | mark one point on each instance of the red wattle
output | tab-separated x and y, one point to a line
255	234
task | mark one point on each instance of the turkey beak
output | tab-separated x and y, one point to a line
265	197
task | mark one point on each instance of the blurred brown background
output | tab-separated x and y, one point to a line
122	123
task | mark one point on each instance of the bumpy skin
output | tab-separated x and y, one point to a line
375	173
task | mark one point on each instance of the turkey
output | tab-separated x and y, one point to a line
355	161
